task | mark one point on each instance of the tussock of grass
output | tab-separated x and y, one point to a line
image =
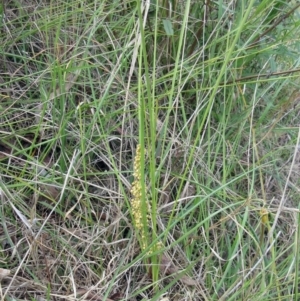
209	92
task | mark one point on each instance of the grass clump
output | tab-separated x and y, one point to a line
149	150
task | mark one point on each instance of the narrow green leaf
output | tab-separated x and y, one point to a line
168	27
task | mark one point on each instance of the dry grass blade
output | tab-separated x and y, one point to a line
167	267
4	273
88	295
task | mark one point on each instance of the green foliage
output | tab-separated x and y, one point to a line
209	90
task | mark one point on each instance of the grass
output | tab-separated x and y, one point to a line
209	92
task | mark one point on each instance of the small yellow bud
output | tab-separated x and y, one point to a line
264	215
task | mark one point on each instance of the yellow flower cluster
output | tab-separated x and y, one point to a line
136	191
136	202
